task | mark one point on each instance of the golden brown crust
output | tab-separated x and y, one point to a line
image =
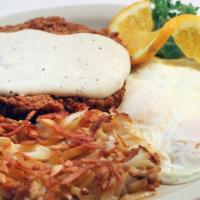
50	24
19	106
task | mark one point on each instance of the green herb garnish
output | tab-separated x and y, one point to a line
163	10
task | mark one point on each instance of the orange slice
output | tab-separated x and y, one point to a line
138	15
134	25
186	34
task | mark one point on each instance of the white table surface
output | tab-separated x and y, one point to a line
14	6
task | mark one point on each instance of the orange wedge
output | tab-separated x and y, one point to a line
134	25
138	15
186	34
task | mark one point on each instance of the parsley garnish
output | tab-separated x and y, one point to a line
163	10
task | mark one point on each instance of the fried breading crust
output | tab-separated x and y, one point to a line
18	106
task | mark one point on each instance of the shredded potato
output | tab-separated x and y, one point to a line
89	155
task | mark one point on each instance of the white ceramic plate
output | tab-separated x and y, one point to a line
98	16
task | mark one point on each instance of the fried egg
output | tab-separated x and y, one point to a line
163	100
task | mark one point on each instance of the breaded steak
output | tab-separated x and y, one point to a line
19	106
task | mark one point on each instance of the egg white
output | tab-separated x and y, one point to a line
163	99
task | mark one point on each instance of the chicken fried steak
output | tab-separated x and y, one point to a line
18	106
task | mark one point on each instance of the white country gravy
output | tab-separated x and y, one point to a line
82	64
